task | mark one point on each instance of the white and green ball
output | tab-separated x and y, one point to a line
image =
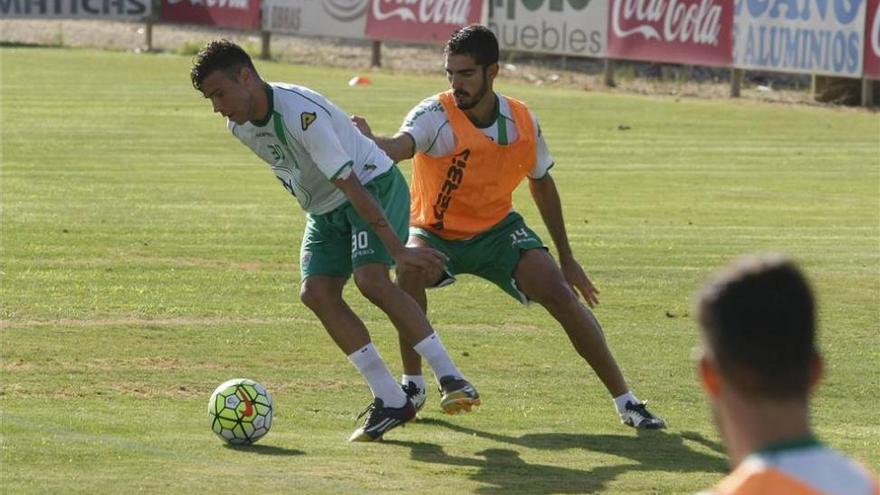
240	411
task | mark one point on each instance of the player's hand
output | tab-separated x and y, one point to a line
575	276
361	124
420	258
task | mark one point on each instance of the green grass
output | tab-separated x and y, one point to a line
147	256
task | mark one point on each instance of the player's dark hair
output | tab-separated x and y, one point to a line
221	55
759	321
475	40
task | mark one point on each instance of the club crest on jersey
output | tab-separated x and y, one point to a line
306	119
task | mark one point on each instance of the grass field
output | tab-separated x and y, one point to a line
147	256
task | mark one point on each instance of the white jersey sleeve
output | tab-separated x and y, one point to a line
544	160
426	123
316	133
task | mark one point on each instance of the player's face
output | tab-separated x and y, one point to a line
470	82
229	97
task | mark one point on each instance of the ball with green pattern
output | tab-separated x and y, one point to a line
240	411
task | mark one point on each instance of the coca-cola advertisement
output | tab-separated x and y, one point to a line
239	14
421	21
698	32
872	40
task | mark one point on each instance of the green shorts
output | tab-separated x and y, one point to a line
492	255
339	241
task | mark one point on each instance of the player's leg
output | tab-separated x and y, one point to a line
414	330
514	258
540	279
371	264
325	262
415	283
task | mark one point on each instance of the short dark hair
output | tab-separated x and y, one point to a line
219	55
759	321
475	40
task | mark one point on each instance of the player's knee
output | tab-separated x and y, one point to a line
412	280
315	296
375	289
554	294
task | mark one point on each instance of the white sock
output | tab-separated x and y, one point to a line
435	354
368	361
419	380
622	400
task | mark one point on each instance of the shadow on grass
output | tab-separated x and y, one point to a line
505	472
265	450
21	44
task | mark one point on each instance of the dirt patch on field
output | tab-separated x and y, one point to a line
551	71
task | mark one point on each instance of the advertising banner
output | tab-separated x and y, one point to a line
562	27
131	10
336	18
807	36
240	14
872	40
421	21
698	32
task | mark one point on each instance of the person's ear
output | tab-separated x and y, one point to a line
709	377
244	76
492	71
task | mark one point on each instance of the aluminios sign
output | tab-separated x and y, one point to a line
563	27
813	36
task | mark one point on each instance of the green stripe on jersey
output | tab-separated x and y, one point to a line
347	164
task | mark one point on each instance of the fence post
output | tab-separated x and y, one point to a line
265	45
868	92
609	73
376	56
736	80
148	34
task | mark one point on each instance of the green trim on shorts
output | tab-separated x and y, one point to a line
492	255
339	241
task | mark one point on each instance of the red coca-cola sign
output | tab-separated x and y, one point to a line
240	14
872	40
696	32
424	21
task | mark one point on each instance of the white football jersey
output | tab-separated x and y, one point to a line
429	127
308	141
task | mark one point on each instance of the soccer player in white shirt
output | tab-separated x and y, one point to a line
357	205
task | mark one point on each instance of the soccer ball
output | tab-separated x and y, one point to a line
240	411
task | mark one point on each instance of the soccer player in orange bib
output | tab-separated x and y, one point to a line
759	364
472	147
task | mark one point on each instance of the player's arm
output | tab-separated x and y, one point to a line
367	207
320	140
400	147
546	197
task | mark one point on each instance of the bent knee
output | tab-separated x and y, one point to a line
317	296
410	279
555	293
375	288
